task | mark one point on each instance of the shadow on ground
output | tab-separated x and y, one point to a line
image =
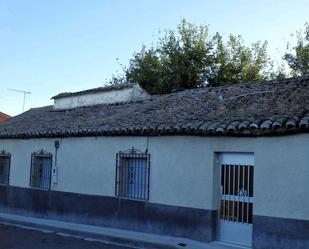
12	237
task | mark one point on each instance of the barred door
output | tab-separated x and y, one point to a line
236	200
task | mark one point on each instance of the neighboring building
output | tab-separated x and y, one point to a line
220	163
3	117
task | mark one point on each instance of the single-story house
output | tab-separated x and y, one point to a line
226	163
3	117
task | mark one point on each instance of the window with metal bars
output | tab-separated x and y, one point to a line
132	174
41	166
5	162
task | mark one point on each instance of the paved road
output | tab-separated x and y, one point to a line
12	237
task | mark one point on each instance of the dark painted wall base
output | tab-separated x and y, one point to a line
280	233
197	224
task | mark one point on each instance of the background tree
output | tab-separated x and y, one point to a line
178	62
189	57
236	63
298	58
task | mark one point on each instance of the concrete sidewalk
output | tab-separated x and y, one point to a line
109	235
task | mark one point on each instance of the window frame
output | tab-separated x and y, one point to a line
132	153
45	155
4	154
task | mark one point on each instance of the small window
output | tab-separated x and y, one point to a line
41	165
5	162
132	174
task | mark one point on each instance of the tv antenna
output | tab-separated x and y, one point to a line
24	93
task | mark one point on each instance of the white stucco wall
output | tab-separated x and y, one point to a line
183	168
123	95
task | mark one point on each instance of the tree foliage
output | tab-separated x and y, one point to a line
298	58
236	63
189	57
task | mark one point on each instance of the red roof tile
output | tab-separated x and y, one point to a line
3	117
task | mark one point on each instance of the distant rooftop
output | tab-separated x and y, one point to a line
4	117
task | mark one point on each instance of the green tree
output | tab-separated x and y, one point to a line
189	57
298	58
178	62
237	63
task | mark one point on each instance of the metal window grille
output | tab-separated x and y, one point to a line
237	193
132	174
41	166
5	163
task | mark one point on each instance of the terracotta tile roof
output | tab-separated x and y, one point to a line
263	108
4	117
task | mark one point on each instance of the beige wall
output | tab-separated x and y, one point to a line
183	168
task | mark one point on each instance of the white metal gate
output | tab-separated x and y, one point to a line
236	197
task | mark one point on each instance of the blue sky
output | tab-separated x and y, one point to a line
53	46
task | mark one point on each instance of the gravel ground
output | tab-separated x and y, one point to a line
12	237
